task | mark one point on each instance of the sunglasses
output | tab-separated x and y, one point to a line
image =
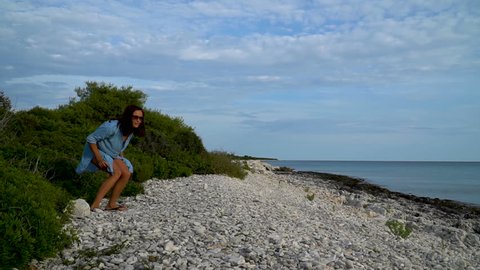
136	117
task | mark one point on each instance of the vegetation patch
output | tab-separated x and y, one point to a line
32	217
398	228
221	163
310	194
283	169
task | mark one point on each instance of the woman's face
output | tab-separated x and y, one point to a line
137	118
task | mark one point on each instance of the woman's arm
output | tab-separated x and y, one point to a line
107	129
97	157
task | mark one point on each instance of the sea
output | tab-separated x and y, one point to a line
458	181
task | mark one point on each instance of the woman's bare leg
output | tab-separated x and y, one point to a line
120	184
106	186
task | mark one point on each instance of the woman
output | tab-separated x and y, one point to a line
104	151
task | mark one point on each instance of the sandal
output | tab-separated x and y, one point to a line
117	208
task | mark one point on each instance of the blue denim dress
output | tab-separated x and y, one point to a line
109	140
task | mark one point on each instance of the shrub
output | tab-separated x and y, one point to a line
85	185
104	101
398	228
160	168
222	163
133	188
176	169
31	217
283	169
5	112
143	166
5	103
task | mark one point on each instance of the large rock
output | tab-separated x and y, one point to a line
258	166
81	208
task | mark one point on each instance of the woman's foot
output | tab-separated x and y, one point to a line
119	207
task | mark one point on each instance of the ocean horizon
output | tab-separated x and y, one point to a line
452	180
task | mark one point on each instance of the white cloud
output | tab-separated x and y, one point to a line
196	52
275	60
264	78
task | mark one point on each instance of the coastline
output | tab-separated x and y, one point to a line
445	180
267	221
354	184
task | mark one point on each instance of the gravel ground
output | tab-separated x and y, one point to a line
268	221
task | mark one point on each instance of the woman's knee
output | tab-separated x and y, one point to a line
122	168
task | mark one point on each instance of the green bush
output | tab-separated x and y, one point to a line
101	101
398	228
5	103
222	163
85	185
177	169
144	166
283	169
133	188
32	217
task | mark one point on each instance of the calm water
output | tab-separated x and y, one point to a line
458	181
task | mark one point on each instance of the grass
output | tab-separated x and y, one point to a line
398	228
222	163
310	194
283	169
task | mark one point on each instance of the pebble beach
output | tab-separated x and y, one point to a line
270	221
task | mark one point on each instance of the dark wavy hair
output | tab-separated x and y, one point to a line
125	122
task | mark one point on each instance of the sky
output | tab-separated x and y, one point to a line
287	79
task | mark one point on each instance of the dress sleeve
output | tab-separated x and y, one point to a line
125	144
107	129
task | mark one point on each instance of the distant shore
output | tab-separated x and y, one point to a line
448	181
353	184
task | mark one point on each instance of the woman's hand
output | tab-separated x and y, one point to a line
97	158
103	164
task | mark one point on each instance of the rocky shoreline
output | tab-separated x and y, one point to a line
358	185
272	221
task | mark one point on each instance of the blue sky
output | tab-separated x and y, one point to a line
325	80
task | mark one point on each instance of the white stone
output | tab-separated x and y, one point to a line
80	209
199	229
132	260
170	247
236	259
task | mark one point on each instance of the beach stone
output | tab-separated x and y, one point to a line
257	166
132	260
199	229
80	209
117	260
236	259
472	240
170	247
354	201
377	209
